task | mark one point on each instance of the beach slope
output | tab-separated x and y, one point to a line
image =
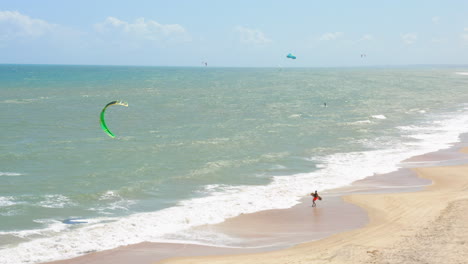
429	226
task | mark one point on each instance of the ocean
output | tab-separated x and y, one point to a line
198	145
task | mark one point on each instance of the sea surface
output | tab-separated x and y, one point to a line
199	145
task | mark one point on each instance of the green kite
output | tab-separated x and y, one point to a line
103	121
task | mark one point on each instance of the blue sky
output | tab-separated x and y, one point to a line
234	33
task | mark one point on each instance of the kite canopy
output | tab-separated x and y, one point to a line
103	121
291	56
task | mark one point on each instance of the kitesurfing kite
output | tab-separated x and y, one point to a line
291	56
103	121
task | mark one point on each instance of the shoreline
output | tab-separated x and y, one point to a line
285	229
420	226
201	167
427	226
273	230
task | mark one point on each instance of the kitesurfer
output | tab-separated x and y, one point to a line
315	198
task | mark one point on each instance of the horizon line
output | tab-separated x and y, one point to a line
265	67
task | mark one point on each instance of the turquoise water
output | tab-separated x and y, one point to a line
199	145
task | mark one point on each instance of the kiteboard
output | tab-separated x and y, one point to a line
74	221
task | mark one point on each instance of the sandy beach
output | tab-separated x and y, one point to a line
183	132
429	226
417	215
263	231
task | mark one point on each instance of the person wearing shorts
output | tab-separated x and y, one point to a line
315	198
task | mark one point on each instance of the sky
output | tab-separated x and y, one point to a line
238	33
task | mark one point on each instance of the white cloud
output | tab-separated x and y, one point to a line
464	35
409	38
331	36
435	19
16	25
142	28
366	37
253	36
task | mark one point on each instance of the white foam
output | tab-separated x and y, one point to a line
10	174
6	201
212	141
53	226
295	116
217	189
119	204
23	100
56	201
367	121
7	206
379	117
223	201
110	195
417	110
115	202
461	73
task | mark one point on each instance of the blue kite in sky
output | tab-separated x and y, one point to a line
291	56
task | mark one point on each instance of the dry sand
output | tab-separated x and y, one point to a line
404	223
429	226
464	150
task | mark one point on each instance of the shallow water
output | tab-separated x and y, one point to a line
198	145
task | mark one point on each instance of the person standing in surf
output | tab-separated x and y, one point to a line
315	198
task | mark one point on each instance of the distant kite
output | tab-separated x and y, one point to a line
103	121
290	56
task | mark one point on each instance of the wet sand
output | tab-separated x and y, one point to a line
269	230
258	232
428	226
380	218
